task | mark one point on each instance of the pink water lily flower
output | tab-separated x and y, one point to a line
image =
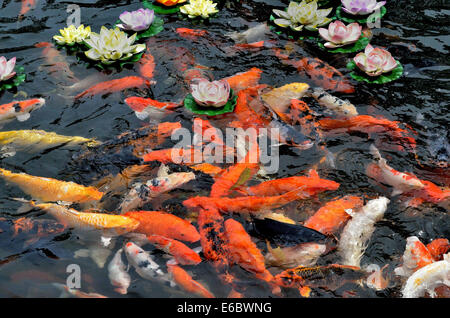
210	94
338	34
7	68
375	61
361	7
138	20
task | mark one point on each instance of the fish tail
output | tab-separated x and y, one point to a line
27	205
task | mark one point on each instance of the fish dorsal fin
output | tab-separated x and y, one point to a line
163	171
313	174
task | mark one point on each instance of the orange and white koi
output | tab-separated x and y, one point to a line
376	280
142	193
438	248
115	85
357	231
182	254
429	193
185	281
401	182
68	292
253	34
164	224
51	190
305	254
334	214
143	262
118	275
416	256
244	80
19	109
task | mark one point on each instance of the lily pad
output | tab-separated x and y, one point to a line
372	18
16	80
190	104
382	79
161	9
116	65
155	28
355	47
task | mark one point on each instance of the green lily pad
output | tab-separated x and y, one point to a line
161	9
190	104
16	80
155	28
355	47
360	76
364	19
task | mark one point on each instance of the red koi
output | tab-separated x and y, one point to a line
147	65
190	34
244	80
185	281
183	255
139	104
115	85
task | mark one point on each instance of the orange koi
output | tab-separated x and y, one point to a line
313	185
188	156
190	34
429	193
19	109
115	85
147	65
438	248
321	73
246	205
208	168
56	63
246	116
208	132
166	129
185	281
235	294
147	107
416	256
253	45
27	5
164	224
183	255
332	216
244	80
247	167
51	190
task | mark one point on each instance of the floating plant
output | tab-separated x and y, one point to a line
210	98
143	22
164	6
11	75
343	39
361	11
375	66
199	9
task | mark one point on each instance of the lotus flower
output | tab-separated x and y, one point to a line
7	68
138	20
338	34
304	14
361	7
170	3
375	61
197	8
112	45
206	93
72	35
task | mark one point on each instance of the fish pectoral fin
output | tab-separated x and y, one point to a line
23	117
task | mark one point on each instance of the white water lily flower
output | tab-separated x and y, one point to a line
304	14
7	68
338	34
72	35
112	45
375	61
197	8
210	94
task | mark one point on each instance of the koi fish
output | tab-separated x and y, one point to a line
206	132
253	34
183	255
147	65
438	248
401	182
231	177
143	262
244	80
427	278
37	228
312	182
279	99
416	256
186	156
191	34
110	225
56	63
142	193
67	292
248	46
185	281
376	280
305	254
19	109
329	277
333	215
51	190
115	85
39	139
245	253
164	224
429	193
247	117
357	232
118	275
246	205
321	73
27	5
208	168
338	106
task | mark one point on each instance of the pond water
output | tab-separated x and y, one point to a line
415	32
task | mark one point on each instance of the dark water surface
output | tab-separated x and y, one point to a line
415	32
